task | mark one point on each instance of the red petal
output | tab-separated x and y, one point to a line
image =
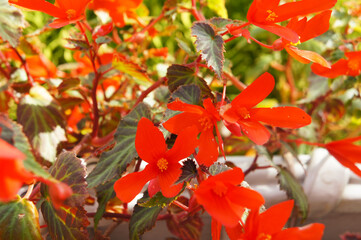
234	177
312	231
41	5
273	219
208	149
61	22
281	31
318	25
149	141
302	8
184	145
245	197
181	121
234	128
304	56
168	178
255	131
234	233
288	117
130	185
208	105
216	229
9	152
153	187
59	192
256	92
178	105
337	69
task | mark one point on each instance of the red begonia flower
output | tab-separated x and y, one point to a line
223	198
347	153
312	28
163	164
12	172
204	119
241	116
266	13
41	67
66	11
349	67
269	225
117	9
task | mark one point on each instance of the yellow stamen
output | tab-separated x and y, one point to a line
206	123
162	164
295	44
71	13
263	236
272	16
243	112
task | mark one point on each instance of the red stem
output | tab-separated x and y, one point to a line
181	205
198	16
151	24
239	27
25	65
149	90
260	43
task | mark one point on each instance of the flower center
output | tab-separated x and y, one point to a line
220	189
354	65
162	164
263	236
71	13
271	15
243	112
206	123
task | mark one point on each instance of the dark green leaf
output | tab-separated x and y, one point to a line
19	220
142	220
65	223
189	171
190	94
210	45
158	200
11	23
78	44
71	170
179	75
114	162
294	190
103	40
105	192
13	133
43	122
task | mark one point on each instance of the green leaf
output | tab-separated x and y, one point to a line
70	221
220	23
43	122
158	200
179	75
68	83
114	162
19	220
189	171
142	220
188	94
293	189
65	223
78	44
11	23
71	170
13	133
219	7
105	192
210	45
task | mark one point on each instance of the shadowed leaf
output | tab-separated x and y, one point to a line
210	45
114	162
105	192
19	220
294	190
179	75
189	171
218	168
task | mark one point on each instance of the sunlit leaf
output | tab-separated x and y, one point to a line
218	168
210	45
43	122
68	83
19	220
11	23
179	75
114	162
132	69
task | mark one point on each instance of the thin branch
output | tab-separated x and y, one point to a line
149	90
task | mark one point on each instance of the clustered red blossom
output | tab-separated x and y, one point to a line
196	127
